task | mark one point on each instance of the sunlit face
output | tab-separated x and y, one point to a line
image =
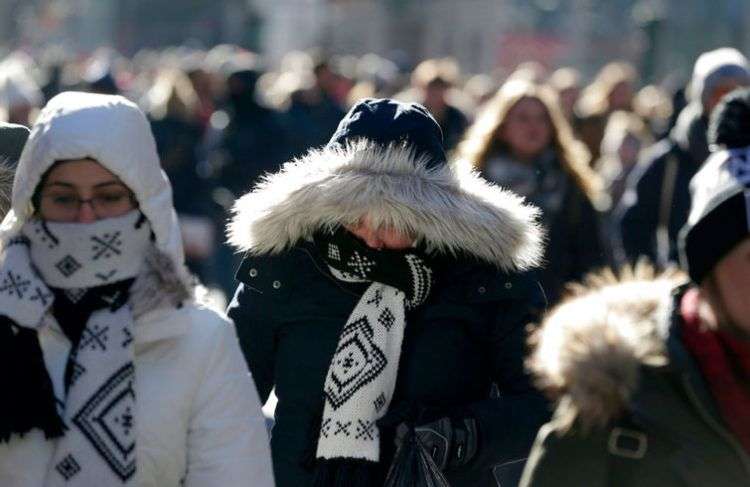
381	238
83	191
732	280
527	129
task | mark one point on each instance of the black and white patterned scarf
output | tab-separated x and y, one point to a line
362	375
73	271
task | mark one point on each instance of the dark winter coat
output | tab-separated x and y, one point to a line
566	210
667	433
467	338
453	123
641	207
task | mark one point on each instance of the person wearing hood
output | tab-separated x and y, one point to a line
114	373
382	286
657	200
652	374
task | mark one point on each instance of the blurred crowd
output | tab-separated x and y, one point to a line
607	159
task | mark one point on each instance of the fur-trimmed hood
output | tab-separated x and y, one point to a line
449	208
589	350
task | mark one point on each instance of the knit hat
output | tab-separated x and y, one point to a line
713	67
385	121
729	127
720	213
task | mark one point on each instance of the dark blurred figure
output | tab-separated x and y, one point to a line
312	113
624	138
244	140
250	140
522	142
12	140
656	203
566	82
172	107
433	80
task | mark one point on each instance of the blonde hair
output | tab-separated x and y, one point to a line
621	124
595	97
429	71
482	137
172	95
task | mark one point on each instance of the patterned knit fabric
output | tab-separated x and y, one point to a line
362	375
97	401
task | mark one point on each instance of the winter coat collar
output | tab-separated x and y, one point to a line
449	208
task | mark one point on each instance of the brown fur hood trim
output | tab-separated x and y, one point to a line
590	348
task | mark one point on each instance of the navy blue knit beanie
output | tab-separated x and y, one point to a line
385	121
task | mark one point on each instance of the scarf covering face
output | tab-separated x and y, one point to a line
91	265
362	375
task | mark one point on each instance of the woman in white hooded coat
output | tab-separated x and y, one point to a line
114	373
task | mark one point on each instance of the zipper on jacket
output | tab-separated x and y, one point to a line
708	418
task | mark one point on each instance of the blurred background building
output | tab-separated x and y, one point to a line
658	36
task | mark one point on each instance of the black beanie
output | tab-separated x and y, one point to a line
730	121
720	212
385	121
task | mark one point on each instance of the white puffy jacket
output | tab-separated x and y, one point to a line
198	419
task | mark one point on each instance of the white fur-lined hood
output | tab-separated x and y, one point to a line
589	350
449	208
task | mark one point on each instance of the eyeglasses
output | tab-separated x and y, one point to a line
65	205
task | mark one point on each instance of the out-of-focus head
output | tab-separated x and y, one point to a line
612	89
522	118
434	77
172	96
715	74
566	82
624	137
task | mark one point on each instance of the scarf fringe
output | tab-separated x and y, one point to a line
30	400
347	472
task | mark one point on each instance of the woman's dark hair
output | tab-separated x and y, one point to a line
37	196
729	125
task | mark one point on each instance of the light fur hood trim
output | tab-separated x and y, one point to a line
450	208
589	350
159	285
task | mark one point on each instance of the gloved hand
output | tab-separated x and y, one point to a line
451	442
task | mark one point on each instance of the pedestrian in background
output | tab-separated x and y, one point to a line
522	142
